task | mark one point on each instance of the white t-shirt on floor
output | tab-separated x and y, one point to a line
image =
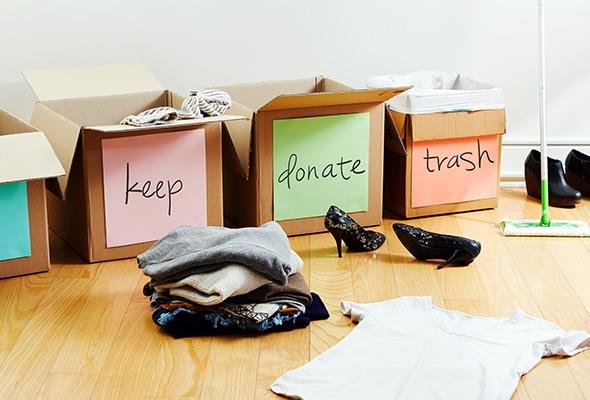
410	349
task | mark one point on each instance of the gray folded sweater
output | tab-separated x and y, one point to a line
190	249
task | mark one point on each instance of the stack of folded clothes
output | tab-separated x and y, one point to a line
213	280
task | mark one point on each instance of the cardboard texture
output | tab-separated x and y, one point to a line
249	168
424	152
78	109
26	159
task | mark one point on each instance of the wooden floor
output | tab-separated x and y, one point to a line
84	331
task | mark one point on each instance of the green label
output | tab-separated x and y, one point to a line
320	161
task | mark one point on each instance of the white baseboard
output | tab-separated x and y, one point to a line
512	184
513	156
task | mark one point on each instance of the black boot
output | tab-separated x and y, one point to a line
343	227
426	245
560	193
577	171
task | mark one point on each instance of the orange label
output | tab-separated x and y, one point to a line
454	170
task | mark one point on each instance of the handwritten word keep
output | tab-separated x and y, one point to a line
158	190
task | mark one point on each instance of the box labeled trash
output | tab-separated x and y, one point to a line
443	142
26	160
443	162
125	186
307	144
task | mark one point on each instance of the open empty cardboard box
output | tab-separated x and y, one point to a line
125	186
442	163
306	144
26	159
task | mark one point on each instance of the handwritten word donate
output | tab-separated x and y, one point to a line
343	169
158	190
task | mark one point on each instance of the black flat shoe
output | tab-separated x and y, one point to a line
426	245
343	227
560	193
577	171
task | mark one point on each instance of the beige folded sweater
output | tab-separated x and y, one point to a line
214	287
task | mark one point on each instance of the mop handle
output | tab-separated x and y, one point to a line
545	220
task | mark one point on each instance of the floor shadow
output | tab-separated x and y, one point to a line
61	253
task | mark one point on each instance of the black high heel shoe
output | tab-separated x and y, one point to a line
426	245
343	227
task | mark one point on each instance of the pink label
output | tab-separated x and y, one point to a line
153	184
454	170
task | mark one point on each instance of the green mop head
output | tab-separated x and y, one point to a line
535	228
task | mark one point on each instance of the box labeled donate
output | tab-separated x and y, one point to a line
442	162
26	160
307	144
125	186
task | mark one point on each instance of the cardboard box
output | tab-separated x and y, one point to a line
307	144
26	159
442	162
124	186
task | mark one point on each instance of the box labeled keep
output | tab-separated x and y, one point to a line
26	160
442	162
306	144
125	186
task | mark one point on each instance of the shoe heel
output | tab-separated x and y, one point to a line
459	257
338	240
337	235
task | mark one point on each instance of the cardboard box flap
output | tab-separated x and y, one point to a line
330	85
10	124
237	140
105	80
354	96
181	123
62	134
399	121
393	134
457	124
26	156
255	95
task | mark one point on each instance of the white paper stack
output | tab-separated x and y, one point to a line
435	91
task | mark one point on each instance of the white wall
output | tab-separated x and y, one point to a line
192	43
